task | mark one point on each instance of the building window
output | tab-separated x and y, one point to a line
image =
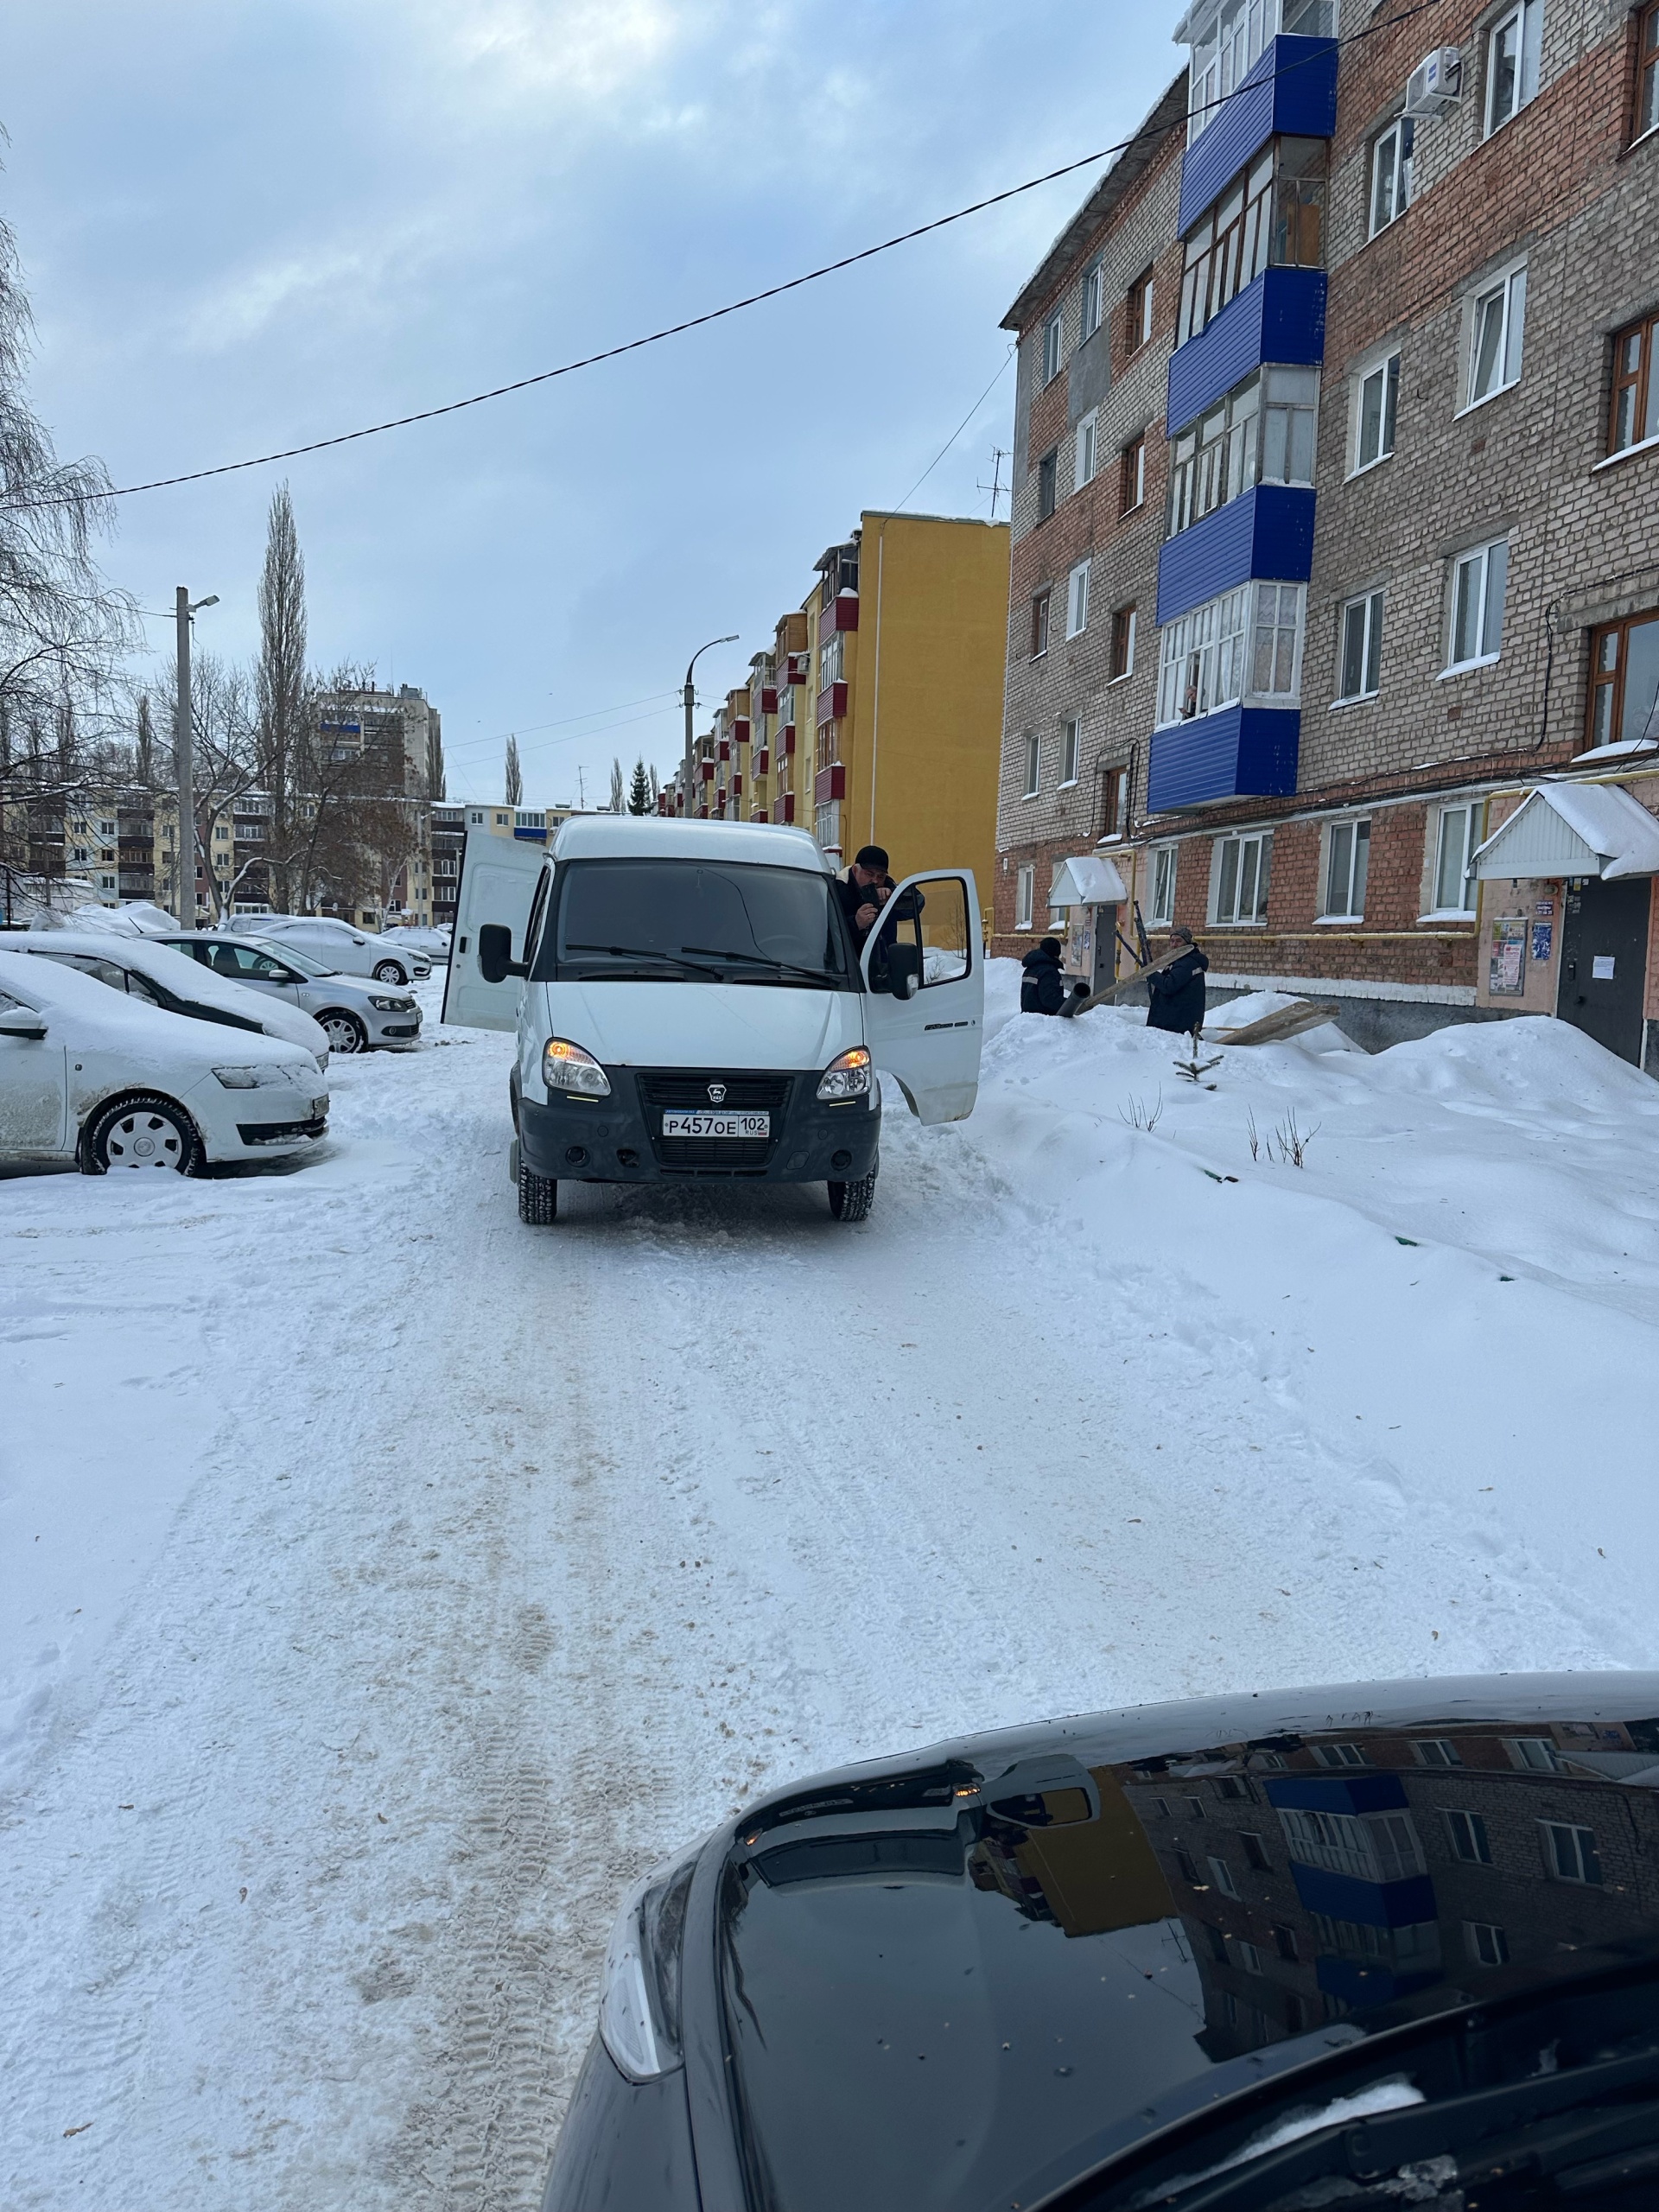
1347	860
1625	681
1114	803
1215	459
1272	214
1635	413
1570	1853
1647	70
1284	1940
1250	1957
1132	476
1339	1755
1137	309
1243	865
1478	584
1487	1945
1077	600
1087	429
1458	834
1222	1875
1245	644
1377	402
1233	41
1025	894
1535	1755
1391	172
1033	764
1092	304
1123	642
1470	1841
1494	337
1512	49
1438	1750
1040	625
1052	335
1071	744
1255	1853
1048	472
1189	1871
1361	663
1163	886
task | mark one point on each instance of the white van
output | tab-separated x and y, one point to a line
688	1002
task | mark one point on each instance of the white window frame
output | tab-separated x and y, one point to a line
1474	570
1142	333
1128	615
1474	1830
1486	1942
1054	345
1033	764
1208	655
1391	186
1525	20
1164	862
1500	306
1581	1852
1092	304
1472	811
1366	613
1070	748
1222	1875
1025	894
1252	864
1077	600
1056	914
1344	868
1087	449
1385	376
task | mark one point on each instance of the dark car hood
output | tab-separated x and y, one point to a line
955	1979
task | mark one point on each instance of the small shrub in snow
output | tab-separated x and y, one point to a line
1140	1115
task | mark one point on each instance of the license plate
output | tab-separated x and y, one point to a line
717	1125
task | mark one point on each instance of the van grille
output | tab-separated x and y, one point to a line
682	1090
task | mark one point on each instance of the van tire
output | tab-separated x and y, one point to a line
852	1201
538	1198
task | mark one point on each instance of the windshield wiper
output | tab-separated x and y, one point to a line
646	953
766	960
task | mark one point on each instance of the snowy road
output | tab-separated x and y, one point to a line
386	1584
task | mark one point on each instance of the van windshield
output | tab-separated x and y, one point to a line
695	922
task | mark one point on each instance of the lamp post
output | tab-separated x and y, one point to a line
184	871
690	706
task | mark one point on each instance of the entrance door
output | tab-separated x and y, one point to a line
1605	963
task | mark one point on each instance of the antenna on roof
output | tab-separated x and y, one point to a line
999	454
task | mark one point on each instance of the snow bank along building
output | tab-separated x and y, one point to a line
1334	620
874	717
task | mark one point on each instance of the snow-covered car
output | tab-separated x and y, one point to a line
102	1078
1382	1944
351	951
167	977
354	1015
689	1002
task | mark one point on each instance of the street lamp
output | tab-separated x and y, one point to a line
690	706
184	866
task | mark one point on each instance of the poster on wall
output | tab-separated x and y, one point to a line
1506	974
1542	933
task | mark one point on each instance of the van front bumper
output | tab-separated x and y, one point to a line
620	1139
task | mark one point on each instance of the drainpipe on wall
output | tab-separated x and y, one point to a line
875	701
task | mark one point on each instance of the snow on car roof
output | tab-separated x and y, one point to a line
55	988
625	836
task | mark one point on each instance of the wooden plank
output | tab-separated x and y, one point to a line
1274	1028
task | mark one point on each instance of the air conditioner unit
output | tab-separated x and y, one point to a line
1436	84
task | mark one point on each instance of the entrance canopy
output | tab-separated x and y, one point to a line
1089	882
1574	830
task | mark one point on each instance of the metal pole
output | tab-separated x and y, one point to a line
691	698
184	902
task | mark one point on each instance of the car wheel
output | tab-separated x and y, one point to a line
150	1133
345	1033
852	1201
390	972
538	1198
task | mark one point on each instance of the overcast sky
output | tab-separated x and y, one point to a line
253	222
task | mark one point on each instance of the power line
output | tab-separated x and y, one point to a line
564	721
960	428
712	314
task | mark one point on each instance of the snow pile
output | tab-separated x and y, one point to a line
141	918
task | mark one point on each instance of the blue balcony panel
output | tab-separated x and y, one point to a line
1374	1905
1359	1982
1338	1793
1266	531
1241	752
1281	317
1292	89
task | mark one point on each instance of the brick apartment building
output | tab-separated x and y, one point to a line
1405	608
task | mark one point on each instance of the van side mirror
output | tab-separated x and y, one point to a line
896	969
495	960
24	1024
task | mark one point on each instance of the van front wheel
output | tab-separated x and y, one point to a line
538	1198
852	1201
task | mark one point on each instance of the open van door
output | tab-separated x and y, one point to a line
498	882
924	980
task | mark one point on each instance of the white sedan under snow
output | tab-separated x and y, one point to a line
90	1075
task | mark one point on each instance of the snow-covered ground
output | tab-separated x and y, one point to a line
384	1584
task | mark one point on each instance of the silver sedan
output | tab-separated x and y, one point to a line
356	1014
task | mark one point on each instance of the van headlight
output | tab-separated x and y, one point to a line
565	1066
848	1076
640	1998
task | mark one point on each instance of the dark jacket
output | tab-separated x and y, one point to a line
852	896
1176	994
1042	987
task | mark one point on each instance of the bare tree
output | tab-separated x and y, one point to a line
656	787
285	705
514	780
618	801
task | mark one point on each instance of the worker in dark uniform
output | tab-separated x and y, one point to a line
1175	994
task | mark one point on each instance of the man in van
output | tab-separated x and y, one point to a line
864	890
